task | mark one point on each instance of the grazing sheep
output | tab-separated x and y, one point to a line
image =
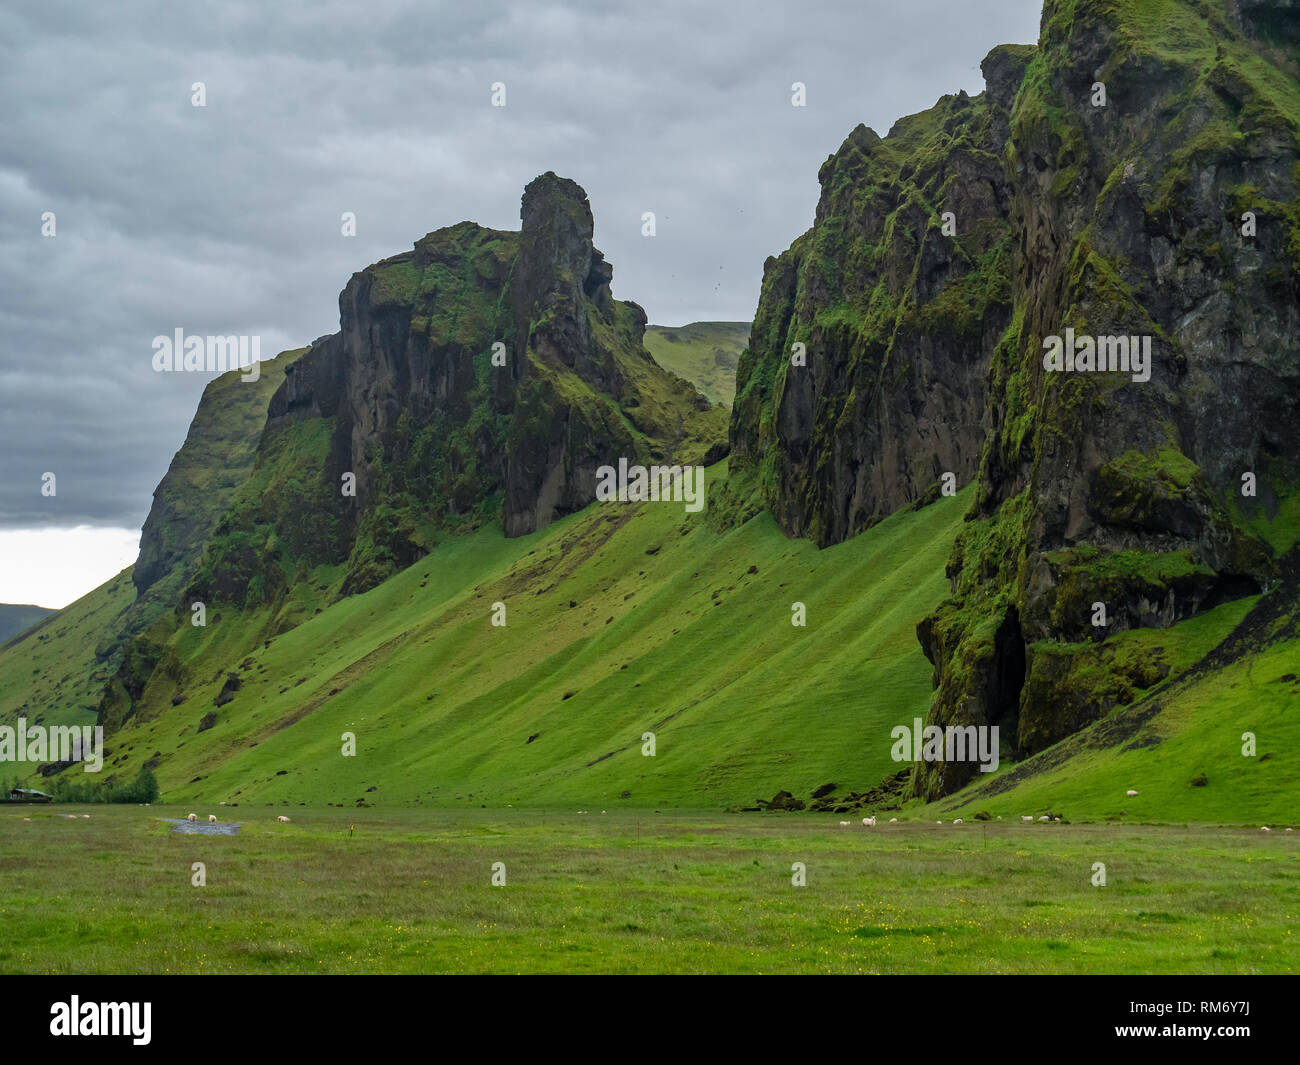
893	820
282	819
869	822
1265	828
1130	793
1055	818
957	822
86	816
1044	818
212	819
999	817
1290	830
844	824
1024	818
192	817
938	822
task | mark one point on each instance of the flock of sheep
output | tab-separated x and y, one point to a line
212	818
870	822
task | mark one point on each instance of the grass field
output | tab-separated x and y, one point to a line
635	892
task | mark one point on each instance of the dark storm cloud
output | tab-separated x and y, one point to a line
225	219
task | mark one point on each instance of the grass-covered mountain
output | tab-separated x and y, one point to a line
16	618
704	353
944	255
478	381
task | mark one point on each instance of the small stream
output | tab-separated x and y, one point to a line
203	828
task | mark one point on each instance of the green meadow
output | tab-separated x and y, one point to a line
410	891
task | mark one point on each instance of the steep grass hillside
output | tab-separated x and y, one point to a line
54	673
1211	742
704	353
627	618
622	619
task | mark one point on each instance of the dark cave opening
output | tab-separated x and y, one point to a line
1006	678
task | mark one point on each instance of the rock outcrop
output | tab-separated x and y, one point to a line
897	295
481	375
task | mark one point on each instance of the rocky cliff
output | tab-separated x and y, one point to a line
897	295
481	375
1137	176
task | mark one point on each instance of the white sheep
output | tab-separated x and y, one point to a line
999	817
212	819
869	822
844	824
282	819
1024	818
958	821
938	822
1044	818
893	820
192	817
1265	828
1055	818
1130	793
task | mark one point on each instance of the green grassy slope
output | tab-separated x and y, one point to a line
621	619
705	353
628	618
16	618
54	673
1180	746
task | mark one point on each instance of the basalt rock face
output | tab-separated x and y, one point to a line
897	295
481	374
1106	503
584	388
1103	503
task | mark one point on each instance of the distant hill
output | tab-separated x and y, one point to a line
16	619
705	353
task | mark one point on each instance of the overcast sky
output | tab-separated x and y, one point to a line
225	219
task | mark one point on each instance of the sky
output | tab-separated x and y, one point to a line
226	218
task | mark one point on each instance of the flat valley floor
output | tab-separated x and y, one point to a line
411	891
